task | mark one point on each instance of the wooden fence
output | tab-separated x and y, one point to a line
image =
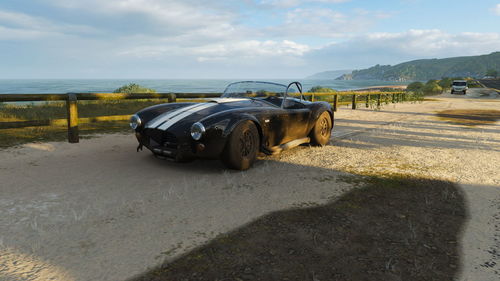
72	99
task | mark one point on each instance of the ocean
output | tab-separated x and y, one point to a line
56	86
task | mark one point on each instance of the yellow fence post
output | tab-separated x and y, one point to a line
172	98
72	115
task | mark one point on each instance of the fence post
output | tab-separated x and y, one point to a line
379	96
312	97
72	115
172	98
335	102
393	98
367	101
353	101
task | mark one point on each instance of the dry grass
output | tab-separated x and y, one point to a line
57	110
469	117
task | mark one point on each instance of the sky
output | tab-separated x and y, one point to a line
228	39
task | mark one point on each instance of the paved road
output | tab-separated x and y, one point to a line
474	93
100	211
494	84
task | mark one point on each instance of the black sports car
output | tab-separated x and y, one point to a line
250	117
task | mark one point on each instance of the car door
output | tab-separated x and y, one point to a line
297	119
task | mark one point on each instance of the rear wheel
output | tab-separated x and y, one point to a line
320	134
242	147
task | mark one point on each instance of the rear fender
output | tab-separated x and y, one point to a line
317	109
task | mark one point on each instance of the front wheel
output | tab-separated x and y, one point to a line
320	134
242	147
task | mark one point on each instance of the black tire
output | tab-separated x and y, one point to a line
452	92
322	130
242	147
465	92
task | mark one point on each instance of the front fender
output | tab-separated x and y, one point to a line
242	118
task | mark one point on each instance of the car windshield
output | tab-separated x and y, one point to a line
252	89
459	83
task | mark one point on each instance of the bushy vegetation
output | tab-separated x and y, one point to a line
415	87
432	88
436	87
492	73
422	70
133	88
445	83
320	89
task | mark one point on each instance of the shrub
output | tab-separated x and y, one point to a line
432	88
319	89
133	88
415	87
492	73
445	83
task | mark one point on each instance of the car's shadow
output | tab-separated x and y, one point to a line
387	229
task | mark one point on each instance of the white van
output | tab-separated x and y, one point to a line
459	86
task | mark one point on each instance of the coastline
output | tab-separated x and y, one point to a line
380	88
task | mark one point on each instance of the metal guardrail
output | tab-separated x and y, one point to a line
72	99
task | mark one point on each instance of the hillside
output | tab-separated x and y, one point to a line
329	74
473	66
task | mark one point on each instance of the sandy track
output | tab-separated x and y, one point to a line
99	211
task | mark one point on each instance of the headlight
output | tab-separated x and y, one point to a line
135	121
197	131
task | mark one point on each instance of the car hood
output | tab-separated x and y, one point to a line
170	116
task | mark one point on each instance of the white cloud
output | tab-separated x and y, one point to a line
15	26
171	16
293	3
497	9
392	48
318	22
249	49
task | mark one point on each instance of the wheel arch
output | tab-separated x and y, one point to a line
244	118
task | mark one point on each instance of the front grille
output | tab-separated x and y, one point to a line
162	138
170	140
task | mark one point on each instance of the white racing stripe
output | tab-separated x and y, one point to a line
162	118
183	115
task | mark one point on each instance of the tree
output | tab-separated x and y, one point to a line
133	88
492	72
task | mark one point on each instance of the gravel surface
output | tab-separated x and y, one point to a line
100	211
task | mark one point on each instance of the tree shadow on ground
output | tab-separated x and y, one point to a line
386	229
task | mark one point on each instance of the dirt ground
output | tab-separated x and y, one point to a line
399	194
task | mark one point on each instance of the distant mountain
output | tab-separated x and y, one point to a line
423	70
329	74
